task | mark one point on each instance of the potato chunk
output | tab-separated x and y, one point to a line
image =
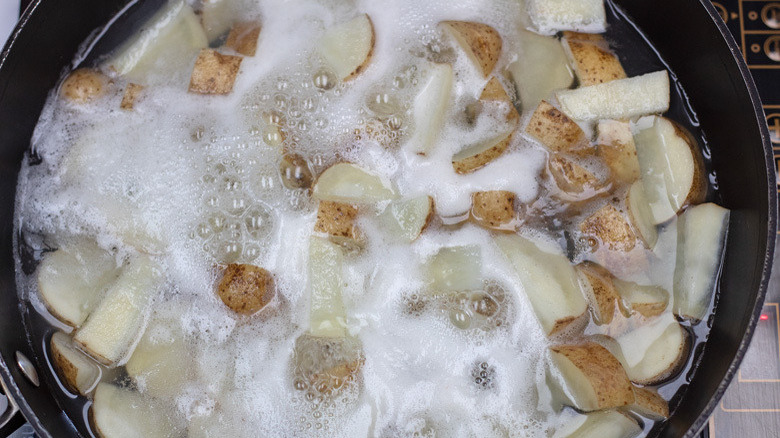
131	95
326	314
600	289
214	73
76	371
408	218
556	131
348	47
592	60
540	69
476	156
592	378
551	16
616	146
243	38
480	42
337	220
576	182
650	404
431	107
602	424
246	289
453	269
121	412
610	228
84	85
494	209
345	182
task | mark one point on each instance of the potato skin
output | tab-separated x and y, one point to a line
214	73
246	289
611	228
494	209
132	92
593	62
84	85
698	192
337	219
556	131
65	369
483	41
243	38
604	298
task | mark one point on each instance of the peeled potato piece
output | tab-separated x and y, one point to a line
161	363
592	378
648	403
494	209
654	352
217	16
71	280
648	301
76	371
246	289
619	99
601	292
591	58
167	45
605	424
617	148
640	214
347	47
121	413
551	16
406	219
480	42
478	155
431	106
345	182
326	314
672	168
549	281
610	228
701	232
556	131
453	269
112	329
540	69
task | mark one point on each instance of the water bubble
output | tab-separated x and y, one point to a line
227	251
211	200
273	117
295	172
258	221
399	82
231	184
203	230
198	133
282	84
321	123
460	319
217	222
209	179
383	104
280	101
395	123
273	136
309	104
236	204
483	304
324	80
251	252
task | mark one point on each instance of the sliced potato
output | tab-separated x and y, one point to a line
557	132
454	269
214	73
131	95
573	180
701	232
640	214
337	220
121	413
112	329
345	182
650	404
592	378
604	424
601	292
478	155
494	209
672	168
549	281
540	69
616	146
166	46
619	99
648	301
495	92
161	364
480	42
431	106
76	371
217	16
326	365
551	16
84	85
654	352
406	219
348	47
326	315
609	227
72	279
243	37
246	289
593	62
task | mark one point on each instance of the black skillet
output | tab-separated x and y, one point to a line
692	40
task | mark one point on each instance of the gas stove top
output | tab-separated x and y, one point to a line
751	405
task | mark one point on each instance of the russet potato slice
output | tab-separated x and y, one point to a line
615	143
214	73
480	42
591	58
243	37
76	371
648	301
162	363
610	228
551	16
347	47
123	413
246	289
601	292
648	403
640	214
337	220
84	85
556	131
540	69
494	209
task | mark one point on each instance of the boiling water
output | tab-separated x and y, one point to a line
195	182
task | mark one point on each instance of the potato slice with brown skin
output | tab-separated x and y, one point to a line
337	220
610	228
556	131
84	85
648	301
348	47
616	146
246	289
76	371
648	403
602	294
243	37
592	61
494	209
480	42
408	218
640	215
132	92
576	182
495	92
477	156
214	73
593	378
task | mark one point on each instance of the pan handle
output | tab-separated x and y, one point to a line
10	419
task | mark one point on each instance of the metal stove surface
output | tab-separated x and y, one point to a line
751	405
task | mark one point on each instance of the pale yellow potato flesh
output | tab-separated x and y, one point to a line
406	219
348	47
161	363
616	147
76	371
602	424
654	352
453	269
551	16
326	314
431	106
540	69
601	292
347	183
481	43
122	413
